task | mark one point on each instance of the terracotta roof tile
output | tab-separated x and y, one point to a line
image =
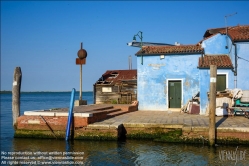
182	49
237	33
221	61
112	77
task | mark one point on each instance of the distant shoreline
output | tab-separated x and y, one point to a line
6	91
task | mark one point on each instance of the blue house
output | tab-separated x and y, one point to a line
228	48
225	75
169	76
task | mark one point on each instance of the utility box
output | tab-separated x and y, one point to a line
80	102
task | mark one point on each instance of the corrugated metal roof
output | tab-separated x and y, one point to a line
182	49
138	44
112	77
221	61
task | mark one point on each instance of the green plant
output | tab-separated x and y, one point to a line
114	101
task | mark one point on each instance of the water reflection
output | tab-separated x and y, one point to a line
133	152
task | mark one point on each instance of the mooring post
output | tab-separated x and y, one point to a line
16	94
212	105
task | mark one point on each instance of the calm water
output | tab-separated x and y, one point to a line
130	152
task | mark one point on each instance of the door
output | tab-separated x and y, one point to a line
175	94
221	82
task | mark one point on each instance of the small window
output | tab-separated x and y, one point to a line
106	89
221	82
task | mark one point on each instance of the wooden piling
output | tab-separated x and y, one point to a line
212	105
16	91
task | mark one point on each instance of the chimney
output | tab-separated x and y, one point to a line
177	44
130	63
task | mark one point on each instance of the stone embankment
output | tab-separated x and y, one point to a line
102	123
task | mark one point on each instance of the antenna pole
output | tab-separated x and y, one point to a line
229	15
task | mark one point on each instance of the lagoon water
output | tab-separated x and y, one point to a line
129	152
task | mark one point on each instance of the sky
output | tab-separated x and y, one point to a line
43	37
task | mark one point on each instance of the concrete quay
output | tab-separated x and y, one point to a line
113	122
193	128
173	118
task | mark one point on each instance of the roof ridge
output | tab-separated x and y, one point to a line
189	45
182	49
216	55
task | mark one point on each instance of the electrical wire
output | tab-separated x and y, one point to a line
243	59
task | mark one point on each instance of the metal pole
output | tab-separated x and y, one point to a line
141	45
80	82
236	65
227	27
212	106
16	94
48	126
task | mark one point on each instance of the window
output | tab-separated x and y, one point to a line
221	82
106	89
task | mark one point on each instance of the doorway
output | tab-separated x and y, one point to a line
175	93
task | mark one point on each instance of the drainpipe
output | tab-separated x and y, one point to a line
235	66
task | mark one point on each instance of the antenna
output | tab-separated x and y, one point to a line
229	15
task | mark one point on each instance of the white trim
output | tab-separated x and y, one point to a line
167	85
223	73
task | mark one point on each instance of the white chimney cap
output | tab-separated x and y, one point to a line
177	44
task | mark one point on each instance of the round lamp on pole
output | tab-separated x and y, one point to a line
82	54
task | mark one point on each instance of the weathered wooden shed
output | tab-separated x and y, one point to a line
116	87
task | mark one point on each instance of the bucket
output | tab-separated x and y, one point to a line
245	96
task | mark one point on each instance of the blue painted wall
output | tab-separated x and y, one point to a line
205	85
216	44
154	74
243	66
204	88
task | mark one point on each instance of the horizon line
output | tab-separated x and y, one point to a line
43	91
